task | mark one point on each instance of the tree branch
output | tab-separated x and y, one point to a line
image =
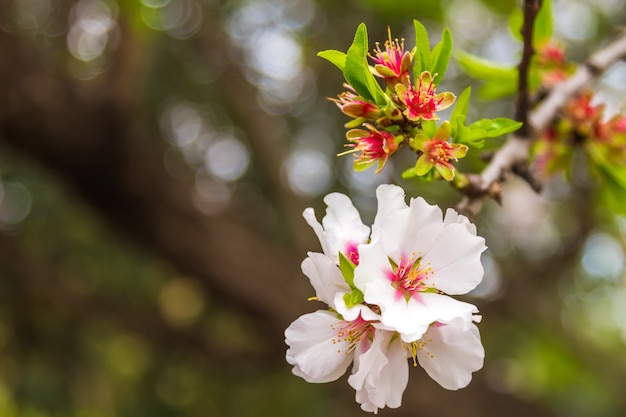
517	146
531	8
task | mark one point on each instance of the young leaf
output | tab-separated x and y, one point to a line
475	134
422	56
516	20
495	89
484	69
496	127
347	269
441	56
356	68
357	72
353	298
335	57
543	24
429	127
409	173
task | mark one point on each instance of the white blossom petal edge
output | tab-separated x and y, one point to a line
325	277
380	373
341	229
321	346
450	353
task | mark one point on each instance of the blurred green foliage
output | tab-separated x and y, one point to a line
93	324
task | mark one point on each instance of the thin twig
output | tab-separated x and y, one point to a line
531	8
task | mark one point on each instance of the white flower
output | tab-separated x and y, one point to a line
391	301
450	353
322	346
380	372
341	229
415	259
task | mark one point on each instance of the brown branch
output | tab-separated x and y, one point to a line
516	148
531	8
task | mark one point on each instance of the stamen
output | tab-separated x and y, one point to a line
352	332
413	347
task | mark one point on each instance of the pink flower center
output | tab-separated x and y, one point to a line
375	146
391	57
352	253
439	151
351	332
422	101
410	277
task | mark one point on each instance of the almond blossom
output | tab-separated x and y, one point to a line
355	106
402	271
394	62
420	99
414	261
373	145
437	152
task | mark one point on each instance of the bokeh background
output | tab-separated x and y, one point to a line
155	159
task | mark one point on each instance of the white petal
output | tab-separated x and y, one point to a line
455	260
456	353
453	217
380	374
325	277
309	216
409	232
412	318
314	350
390	201
341	227
373	266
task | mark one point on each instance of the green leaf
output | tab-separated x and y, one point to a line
459	113
612	190
429	127
493	90
475	134
441	56
613	172
421	61
496	127
501	80
347	269
543	28
409	173
335	57
516	20
357	72
484	69
354	298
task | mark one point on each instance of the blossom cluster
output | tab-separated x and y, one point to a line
388	291
393	101
408	104
582	125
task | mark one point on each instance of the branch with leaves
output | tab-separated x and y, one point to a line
389	288
515	154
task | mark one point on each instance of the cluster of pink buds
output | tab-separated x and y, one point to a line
552	64
582	125
411	99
